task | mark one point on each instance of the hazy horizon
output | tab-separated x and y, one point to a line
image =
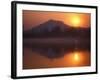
34	18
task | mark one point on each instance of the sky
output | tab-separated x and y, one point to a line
34	18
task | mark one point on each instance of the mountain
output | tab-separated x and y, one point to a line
50	25
54	28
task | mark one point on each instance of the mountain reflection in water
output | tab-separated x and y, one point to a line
35	57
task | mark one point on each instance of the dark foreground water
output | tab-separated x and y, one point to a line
41	53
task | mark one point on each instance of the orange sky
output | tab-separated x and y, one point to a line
34	18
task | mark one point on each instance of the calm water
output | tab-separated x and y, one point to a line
40	55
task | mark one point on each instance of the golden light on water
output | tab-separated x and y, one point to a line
76	56
71	59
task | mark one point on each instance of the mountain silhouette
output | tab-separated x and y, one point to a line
54	28
50	26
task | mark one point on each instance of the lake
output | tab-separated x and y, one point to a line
41	53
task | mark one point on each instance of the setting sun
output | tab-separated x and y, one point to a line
76	21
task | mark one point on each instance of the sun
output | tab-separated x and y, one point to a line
75	21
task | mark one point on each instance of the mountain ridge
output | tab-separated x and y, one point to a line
54	28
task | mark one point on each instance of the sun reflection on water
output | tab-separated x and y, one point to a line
77	58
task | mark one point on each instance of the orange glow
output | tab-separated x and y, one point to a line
76	56
77	20
71	59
